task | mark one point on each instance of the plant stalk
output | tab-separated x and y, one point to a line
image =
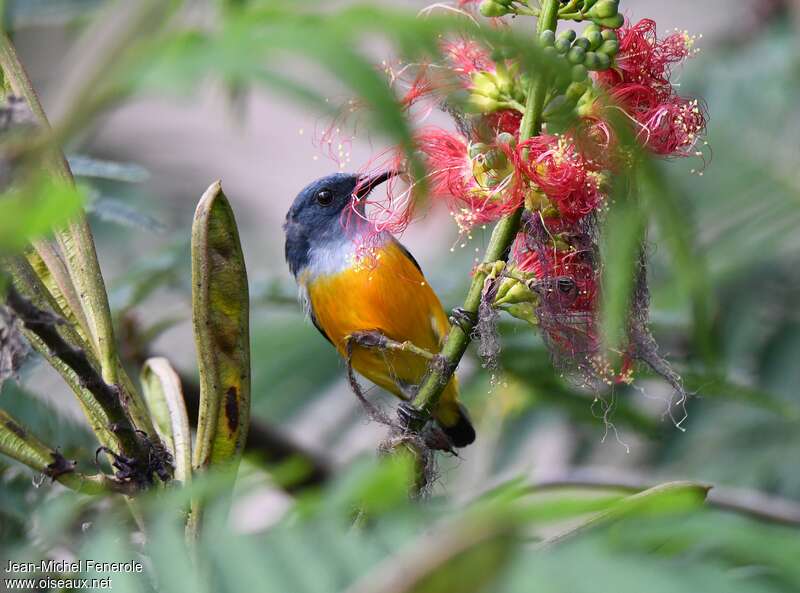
499	244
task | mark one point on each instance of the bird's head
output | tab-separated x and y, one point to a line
316	216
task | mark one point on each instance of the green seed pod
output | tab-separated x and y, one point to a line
568	35
562	46
490	8
613	22
576	90
604	9
610	48
609	35
583	43
590	28
548	38
496	159
576	55
595	39
579	72
477	148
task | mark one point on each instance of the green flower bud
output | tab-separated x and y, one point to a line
517	293
576	55
496	159
506	139
604	9
595	39
579	73
492	8
613	22
562	46
569	35
481	104
592	61
590	28
610	48
561	106
524	312
576	90
550	52
583	43
484	83
548	38
609	35
476	148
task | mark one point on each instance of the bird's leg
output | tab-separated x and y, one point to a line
375	339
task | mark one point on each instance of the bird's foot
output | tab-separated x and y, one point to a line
464	319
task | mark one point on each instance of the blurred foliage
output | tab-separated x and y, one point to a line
738	355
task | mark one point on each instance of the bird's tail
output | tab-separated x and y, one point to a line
453	417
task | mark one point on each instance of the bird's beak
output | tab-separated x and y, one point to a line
366	183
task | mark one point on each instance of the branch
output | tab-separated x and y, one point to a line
137	455
499	246
18	443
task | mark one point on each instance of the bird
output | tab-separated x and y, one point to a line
388	295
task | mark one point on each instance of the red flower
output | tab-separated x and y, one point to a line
668	124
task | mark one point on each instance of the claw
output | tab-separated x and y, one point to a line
464	319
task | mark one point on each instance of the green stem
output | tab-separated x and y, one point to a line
499	244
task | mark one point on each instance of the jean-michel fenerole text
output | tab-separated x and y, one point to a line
76	566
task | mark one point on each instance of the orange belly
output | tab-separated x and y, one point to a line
390	295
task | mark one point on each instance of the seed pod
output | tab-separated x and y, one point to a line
610	48
604	9
579	73
547	38
576	55
613	22
562	45
569	35
595	39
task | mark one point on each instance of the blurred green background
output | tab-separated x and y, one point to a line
742	426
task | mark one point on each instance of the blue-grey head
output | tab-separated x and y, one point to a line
315	219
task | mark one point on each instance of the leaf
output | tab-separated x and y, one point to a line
164	396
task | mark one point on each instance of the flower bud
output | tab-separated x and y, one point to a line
493	8
524	312
550	52
479	103
597	61
609	35
516	293
576	90
559	107
569	35
613	22
496	159
562	45
604	9
579	72
507	139
583	43
595	39
576	55
476	148
485	84
547	38
610	48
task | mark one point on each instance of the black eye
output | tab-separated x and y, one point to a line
566	285
324	197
